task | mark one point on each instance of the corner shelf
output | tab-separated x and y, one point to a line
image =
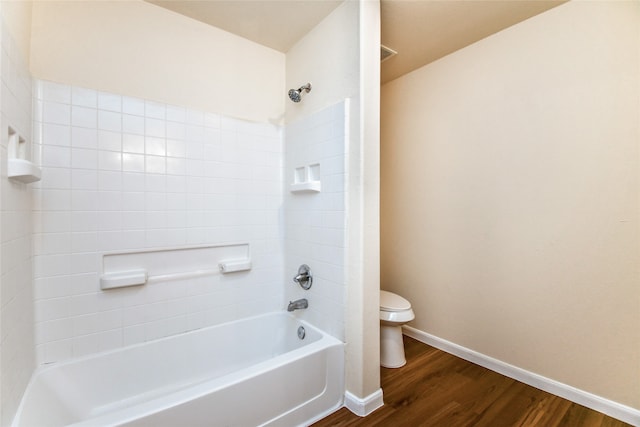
23	171
306	179
306	187
18	167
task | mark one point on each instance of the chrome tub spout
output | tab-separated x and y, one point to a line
298	304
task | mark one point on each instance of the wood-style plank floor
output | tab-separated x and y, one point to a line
435	388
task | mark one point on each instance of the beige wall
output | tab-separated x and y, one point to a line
510	196
327	57
17	18
139	49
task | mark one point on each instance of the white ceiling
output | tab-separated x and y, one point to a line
421	31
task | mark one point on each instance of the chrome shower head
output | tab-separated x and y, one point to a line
296	94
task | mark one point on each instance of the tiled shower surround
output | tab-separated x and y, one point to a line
125	174
316	222
17	359
122	174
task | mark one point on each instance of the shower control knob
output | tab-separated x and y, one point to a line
304	278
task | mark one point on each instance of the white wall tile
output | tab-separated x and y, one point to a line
77	220
84	200
84	97
84	117
133	181
109	201
154	110
212	120
134	219
56	200
109	102
133	106
109	141
57	113
84	138
85	262
56	92
109	221
132	239
195	117
55	330
97	322
176	130
54	156
136	178
154	127
133	162
108	120
176	166
155	164
316	223
155	146
132	143
56	134
84	159
176	148
55	243
176	113
84	242
57	350
109	160
155	182
56	178
133	334
110	180
133	124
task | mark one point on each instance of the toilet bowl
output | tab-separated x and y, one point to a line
395	311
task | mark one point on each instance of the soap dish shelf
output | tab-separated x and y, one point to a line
306	187
23	171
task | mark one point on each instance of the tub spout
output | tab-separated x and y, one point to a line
298	304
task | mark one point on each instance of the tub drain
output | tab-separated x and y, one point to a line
301	332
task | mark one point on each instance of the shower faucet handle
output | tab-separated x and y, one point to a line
304	278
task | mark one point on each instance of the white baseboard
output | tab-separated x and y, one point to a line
363	407
600	404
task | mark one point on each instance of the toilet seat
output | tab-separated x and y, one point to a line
394	308
393	302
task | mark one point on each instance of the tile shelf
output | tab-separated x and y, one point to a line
306	179
306	187
23	171
19	168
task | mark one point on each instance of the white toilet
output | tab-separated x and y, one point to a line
395	311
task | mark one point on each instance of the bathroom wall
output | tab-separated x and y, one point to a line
510	196
328	58
17	354
142	50
126	174
364	200
331	57
316	221
139	124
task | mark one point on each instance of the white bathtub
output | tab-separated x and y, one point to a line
250	372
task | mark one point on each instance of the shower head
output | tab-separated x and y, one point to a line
296	94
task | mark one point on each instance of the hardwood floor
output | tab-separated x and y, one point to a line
435	388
